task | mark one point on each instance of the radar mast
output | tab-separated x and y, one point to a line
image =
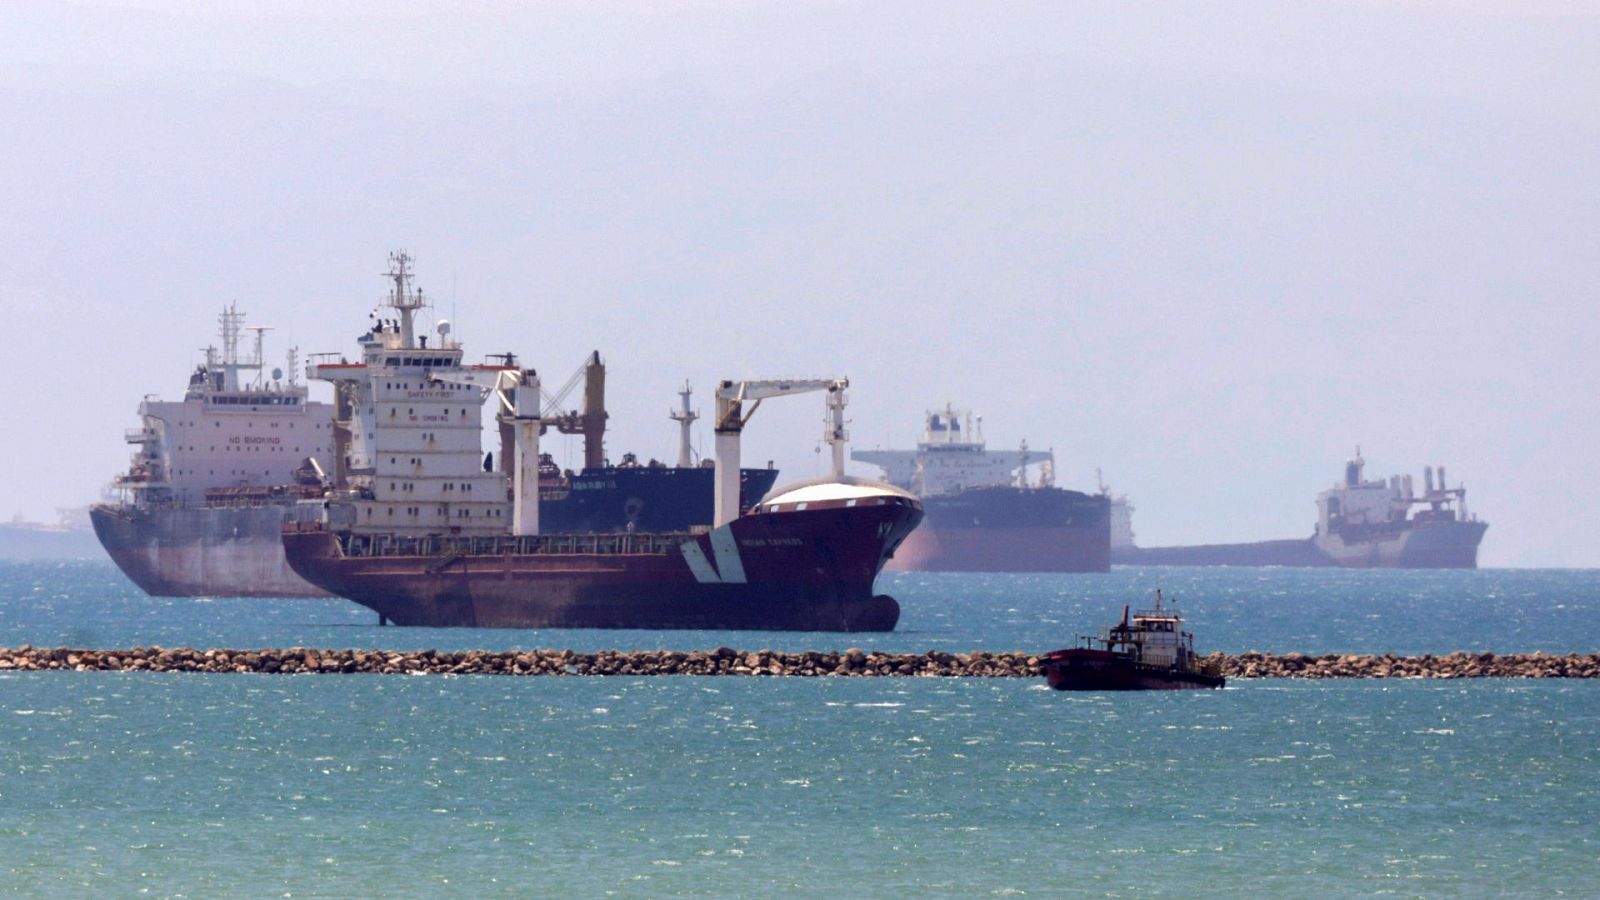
404	300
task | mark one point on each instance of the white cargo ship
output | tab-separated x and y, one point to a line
215	475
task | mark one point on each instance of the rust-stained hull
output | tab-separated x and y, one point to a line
188	551
799	570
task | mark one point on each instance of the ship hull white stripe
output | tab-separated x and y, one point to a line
726	548
698	564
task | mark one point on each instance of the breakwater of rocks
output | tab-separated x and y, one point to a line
728	661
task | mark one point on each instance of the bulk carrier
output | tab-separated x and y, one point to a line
420	530
982	511
1361	524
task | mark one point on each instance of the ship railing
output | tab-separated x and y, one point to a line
139	435
1165	612
275	501
610	544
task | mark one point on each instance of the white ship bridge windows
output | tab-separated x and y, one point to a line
432	362
252	400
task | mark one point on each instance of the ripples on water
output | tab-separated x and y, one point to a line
198	785
1310	610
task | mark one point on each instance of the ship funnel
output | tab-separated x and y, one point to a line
1441	479
1427	478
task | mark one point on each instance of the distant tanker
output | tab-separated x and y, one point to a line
1360	524
981	512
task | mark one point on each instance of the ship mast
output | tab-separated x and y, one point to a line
230	320
255	362
685	417
405	301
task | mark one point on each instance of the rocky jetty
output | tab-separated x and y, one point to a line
727	661
1455	665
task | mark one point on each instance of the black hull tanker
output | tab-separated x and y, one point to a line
983	512
1010	529
777	569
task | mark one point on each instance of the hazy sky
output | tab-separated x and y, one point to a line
1206	247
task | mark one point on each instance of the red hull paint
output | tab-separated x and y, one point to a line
802	570
999	548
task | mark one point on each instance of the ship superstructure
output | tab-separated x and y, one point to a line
952	456
991	510
408	428
213	475
228	431
1122	536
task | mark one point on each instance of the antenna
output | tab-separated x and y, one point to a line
405	301
230	320
254	362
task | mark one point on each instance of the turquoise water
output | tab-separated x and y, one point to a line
354	785
84	604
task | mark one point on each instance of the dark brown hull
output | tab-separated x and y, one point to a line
805	570
1098	670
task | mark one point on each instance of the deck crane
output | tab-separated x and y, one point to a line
732	417
591	423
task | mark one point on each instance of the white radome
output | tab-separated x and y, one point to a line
830	489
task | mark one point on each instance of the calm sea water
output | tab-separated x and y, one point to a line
318	785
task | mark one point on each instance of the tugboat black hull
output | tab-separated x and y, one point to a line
1100	670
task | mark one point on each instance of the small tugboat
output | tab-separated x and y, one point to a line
1150	653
